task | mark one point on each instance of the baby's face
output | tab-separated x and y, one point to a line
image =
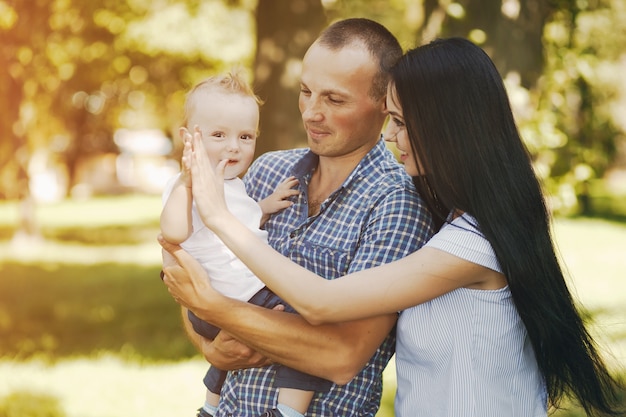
229	124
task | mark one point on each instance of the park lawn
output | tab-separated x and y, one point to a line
108	386
92	326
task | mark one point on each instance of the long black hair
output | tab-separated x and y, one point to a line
462	130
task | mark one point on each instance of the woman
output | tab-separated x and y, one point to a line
488	326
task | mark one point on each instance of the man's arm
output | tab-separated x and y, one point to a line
223	346
332	351
336	352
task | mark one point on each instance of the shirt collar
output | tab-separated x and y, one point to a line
303	169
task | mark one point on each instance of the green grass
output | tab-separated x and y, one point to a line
85	319
127	210
107	386
57	311
98	221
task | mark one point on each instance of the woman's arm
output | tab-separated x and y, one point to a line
417	278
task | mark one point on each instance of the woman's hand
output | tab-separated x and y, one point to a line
207	184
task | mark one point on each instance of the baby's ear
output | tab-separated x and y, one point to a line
184	135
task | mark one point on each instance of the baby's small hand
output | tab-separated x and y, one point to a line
279	199
185	161
185	164
285	189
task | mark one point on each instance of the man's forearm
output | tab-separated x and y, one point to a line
336	351
225	352
332	351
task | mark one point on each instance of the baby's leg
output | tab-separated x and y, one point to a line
213	380
212	398
297	399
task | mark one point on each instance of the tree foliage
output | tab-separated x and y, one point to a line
573	120
73	72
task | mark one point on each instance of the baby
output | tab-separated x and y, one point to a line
225	112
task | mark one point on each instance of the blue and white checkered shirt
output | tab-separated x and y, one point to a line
374	218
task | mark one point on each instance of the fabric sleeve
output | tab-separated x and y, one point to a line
462	239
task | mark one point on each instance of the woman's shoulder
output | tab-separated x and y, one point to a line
461	237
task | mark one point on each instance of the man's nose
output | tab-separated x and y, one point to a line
311	110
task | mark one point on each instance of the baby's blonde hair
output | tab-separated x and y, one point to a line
232	82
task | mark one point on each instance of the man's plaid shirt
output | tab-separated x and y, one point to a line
374	218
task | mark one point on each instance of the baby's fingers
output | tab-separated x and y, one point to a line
289	193
290	182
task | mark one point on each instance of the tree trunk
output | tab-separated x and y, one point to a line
513	34
27	233
285	30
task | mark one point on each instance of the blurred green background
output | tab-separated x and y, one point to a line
87	326
91	96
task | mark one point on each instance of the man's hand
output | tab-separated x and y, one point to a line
225	352
185	278
228	353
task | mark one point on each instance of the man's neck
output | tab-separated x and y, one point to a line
333	169
327	177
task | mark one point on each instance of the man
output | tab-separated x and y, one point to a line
355	211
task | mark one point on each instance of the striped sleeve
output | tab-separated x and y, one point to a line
463	239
